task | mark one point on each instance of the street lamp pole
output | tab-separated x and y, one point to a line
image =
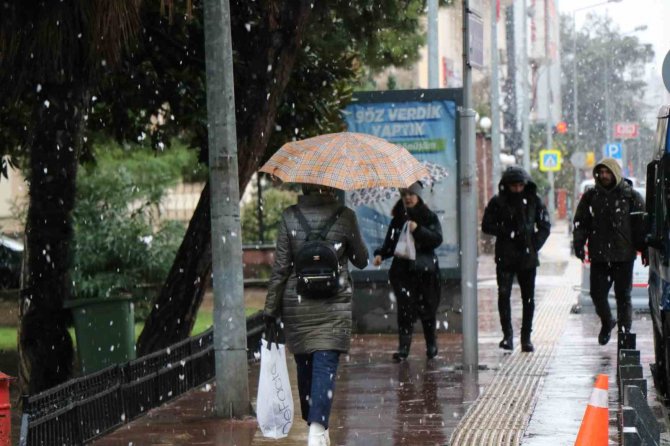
495	99
468	208
230	332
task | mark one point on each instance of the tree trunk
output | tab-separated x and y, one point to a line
258	98
45	347
174	311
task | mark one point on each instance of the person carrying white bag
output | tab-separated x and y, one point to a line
317	324
412	237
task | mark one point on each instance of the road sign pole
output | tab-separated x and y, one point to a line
548	124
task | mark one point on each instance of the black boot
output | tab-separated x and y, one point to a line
526	345
527	321
430	336
507	342
605	331
404	342
505	312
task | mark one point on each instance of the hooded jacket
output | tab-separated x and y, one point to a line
520	222
610	219
315	324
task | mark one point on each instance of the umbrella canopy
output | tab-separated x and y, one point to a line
365	196
346	161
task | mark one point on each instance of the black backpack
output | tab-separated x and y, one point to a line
316	264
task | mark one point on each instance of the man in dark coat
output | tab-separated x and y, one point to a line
520	222
610	217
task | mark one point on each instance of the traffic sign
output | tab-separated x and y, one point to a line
590	160
613	150
666	71
626	130
550	160
578	159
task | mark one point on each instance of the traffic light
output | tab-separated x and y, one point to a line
562	127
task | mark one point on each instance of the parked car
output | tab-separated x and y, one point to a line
11	257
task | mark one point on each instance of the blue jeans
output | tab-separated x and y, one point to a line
316	384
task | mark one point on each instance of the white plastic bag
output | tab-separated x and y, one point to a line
274	403
405	248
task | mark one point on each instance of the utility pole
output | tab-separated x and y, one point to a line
495	98
575	111
433	45
549	142
525	90
230	337
468	208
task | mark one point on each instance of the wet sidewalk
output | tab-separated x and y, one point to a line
420	402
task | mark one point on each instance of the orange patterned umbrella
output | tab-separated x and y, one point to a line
346	161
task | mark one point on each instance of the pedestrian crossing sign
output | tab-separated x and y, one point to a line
550	160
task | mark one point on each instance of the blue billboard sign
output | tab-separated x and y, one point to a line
425	124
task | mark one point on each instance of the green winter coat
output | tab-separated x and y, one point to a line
610	220
315	324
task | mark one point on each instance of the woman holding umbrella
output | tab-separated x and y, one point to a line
416	283
317	325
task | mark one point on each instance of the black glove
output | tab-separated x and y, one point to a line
271	330
579	253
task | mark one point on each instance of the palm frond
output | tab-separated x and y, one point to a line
45	41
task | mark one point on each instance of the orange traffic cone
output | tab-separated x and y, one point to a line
594	430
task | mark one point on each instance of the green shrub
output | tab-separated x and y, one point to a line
120	245
274	202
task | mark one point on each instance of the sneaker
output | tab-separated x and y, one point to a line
318	439
605	332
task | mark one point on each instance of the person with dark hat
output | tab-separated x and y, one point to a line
610	217
415	282
519	220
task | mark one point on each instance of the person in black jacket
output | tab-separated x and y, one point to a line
416	283
520	222
610	217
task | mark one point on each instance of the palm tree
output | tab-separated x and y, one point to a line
51	54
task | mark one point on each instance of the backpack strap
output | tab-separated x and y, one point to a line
302	221
308	229
331	222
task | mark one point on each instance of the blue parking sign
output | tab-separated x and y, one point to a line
613	150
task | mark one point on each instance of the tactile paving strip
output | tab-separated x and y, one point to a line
501	414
